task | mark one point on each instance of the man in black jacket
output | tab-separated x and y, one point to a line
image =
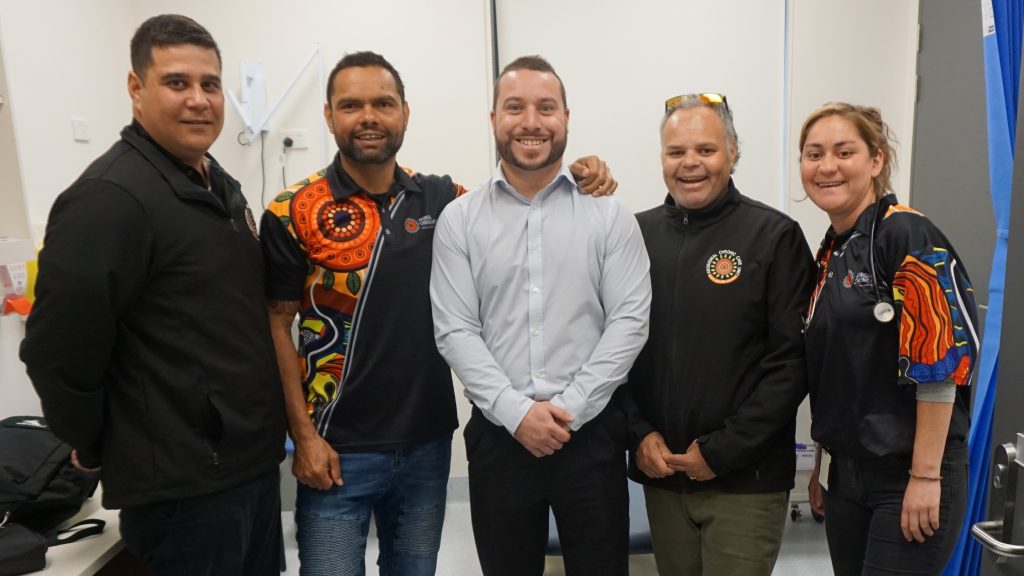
149	343
712	397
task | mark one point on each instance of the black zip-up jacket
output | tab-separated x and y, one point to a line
724	362
149	343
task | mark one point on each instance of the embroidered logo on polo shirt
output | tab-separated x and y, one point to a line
724	267
860	279
413	225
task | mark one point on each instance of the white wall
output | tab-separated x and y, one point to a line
862	52
64	58
13	220
440	48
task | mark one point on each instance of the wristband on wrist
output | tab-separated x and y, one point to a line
919	477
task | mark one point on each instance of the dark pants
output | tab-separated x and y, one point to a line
863	505
228	533
584	483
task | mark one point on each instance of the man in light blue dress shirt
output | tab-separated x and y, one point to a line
541	299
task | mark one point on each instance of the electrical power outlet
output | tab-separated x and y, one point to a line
298	139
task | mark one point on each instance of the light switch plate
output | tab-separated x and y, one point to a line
80	129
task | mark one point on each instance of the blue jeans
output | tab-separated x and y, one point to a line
406	492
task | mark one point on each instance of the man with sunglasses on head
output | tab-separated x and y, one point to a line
712	398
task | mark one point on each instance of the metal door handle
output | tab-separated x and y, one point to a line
996	535
982	531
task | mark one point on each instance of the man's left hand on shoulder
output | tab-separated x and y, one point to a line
593	176
691	463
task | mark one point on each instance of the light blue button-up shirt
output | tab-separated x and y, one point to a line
539	300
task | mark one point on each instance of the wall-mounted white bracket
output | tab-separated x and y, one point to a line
251	106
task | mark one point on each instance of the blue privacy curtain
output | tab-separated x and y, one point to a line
1002	49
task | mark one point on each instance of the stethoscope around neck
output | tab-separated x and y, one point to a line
883	310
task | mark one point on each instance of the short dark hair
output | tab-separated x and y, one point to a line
364	59
535	63
167	30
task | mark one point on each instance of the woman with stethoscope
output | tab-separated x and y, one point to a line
891	343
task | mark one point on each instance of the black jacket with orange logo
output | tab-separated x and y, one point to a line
724	363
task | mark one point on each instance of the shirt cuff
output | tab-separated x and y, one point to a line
510	407
575	404
939	392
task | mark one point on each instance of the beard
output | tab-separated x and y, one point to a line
349	147
507	155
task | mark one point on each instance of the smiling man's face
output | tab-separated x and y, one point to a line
530	121
696	157
366	114
179	100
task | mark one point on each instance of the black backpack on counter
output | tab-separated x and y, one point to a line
39	490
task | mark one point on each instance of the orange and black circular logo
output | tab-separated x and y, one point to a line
724	267
338	234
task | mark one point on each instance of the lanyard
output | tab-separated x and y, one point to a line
822	276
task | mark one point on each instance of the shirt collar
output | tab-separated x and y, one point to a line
343	186
563	176
191	173
183	179
875	211
727	198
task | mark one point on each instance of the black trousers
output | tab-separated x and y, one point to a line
584	483
863	505
235	532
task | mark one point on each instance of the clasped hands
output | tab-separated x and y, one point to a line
656	460
544	429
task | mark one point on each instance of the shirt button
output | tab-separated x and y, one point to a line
829	274
536	332
535	290
533	247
